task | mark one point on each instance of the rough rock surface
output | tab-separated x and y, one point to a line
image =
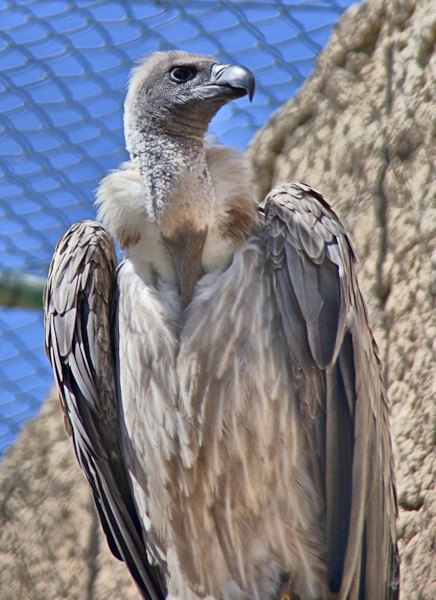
362	131
51	544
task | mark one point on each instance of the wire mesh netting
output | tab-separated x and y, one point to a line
64	71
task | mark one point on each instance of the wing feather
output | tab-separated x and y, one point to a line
79	301
331	347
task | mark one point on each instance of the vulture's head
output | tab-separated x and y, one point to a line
178	93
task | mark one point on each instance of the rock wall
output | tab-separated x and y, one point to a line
363	132
51	543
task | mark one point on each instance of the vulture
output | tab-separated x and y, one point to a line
221	383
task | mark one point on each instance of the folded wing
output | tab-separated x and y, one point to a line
342	397
80	300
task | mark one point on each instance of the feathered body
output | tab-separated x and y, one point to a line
244	450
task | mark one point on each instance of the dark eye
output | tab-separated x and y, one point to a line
182	74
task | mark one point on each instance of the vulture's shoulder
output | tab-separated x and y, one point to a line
312	262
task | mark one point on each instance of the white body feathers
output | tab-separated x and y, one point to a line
214	442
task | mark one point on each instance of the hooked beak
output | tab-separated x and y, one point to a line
228	82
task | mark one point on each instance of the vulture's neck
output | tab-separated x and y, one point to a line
180	197
179	209
176	177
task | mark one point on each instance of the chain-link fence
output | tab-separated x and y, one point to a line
64	70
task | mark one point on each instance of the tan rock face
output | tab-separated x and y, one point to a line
363	132
51	543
